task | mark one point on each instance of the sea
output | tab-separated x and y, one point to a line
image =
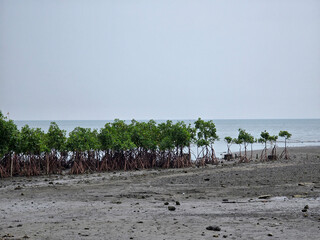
305	132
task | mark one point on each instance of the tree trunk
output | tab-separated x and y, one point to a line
47	159
11	165
245	151
189	154
285	144
265	150
213	155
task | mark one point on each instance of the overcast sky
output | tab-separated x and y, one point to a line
159	59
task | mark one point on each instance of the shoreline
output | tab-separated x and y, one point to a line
256	149
132	204
295	149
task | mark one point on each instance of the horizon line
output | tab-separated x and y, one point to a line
172	119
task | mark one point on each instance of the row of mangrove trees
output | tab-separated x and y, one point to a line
116	146
244	139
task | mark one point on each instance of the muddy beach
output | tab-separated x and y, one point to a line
256	200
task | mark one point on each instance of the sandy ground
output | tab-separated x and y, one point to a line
131	205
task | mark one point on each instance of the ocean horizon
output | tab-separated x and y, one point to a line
305	132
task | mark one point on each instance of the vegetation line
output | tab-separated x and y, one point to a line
116	146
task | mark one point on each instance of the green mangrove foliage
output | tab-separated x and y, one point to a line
265	137
8	135
273	143
56	138
239	142
116	146
245	138
206	136
286	136
229	142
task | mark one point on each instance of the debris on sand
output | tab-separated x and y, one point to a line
83	234
264	196
171	208
298	196
8	235
213	228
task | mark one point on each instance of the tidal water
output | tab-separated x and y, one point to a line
305	132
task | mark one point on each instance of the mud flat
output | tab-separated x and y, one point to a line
257	200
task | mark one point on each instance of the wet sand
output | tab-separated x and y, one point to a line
132	205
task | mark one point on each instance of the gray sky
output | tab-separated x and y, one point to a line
160	59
